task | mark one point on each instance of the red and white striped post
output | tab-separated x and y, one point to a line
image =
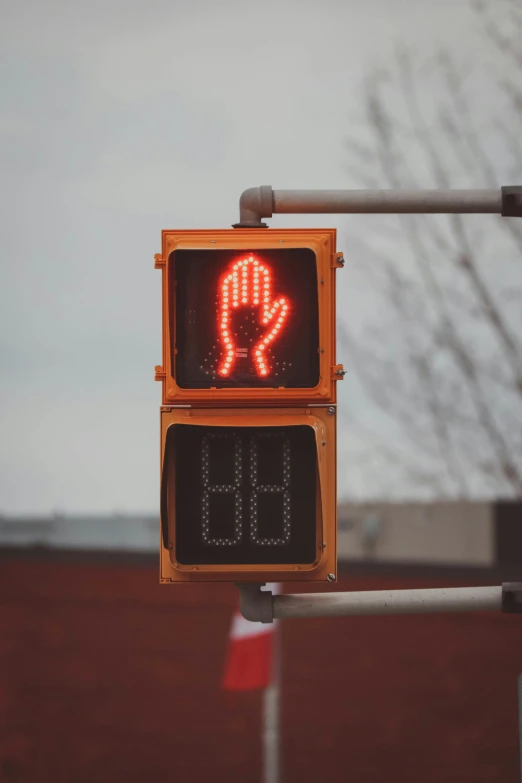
254	661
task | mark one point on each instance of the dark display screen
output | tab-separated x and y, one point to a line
245	319
243	494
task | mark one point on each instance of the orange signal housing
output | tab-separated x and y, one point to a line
324	568
322	243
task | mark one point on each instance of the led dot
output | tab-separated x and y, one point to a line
256	301
263	372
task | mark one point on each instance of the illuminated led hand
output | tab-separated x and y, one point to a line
247	282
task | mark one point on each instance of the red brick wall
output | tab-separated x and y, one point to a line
105	676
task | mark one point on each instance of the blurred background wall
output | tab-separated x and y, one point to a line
108	676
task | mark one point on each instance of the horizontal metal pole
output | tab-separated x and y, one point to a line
387	201
258	203
451	599
261	606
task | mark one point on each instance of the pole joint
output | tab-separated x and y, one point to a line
511	201
512	597
255	604
254	204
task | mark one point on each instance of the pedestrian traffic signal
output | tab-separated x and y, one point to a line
248	434
248	494
248	316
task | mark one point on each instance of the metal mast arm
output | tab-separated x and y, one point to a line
258	203
261	606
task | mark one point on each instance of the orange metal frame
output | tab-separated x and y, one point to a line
322	243
324	424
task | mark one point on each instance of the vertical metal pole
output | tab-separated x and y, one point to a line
520	720
271	704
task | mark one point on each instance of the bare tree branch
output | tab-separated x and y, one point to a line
444	366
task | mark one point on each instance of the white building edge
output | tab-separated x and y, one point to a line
439	533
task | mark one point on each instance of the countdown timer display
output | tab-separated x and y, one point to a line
244	494
245	319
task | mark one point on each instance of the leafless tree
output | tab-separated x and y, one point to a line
441	353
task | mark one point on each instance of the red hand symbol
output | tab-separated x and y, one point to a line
248	283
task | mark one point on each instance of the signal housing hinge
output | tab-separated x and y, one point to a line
338	372
159	261
338	261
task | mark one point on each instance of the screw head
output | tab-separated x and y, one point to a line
331	577
331	410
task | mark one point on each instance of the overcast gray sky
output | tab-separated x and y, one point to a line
118	119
